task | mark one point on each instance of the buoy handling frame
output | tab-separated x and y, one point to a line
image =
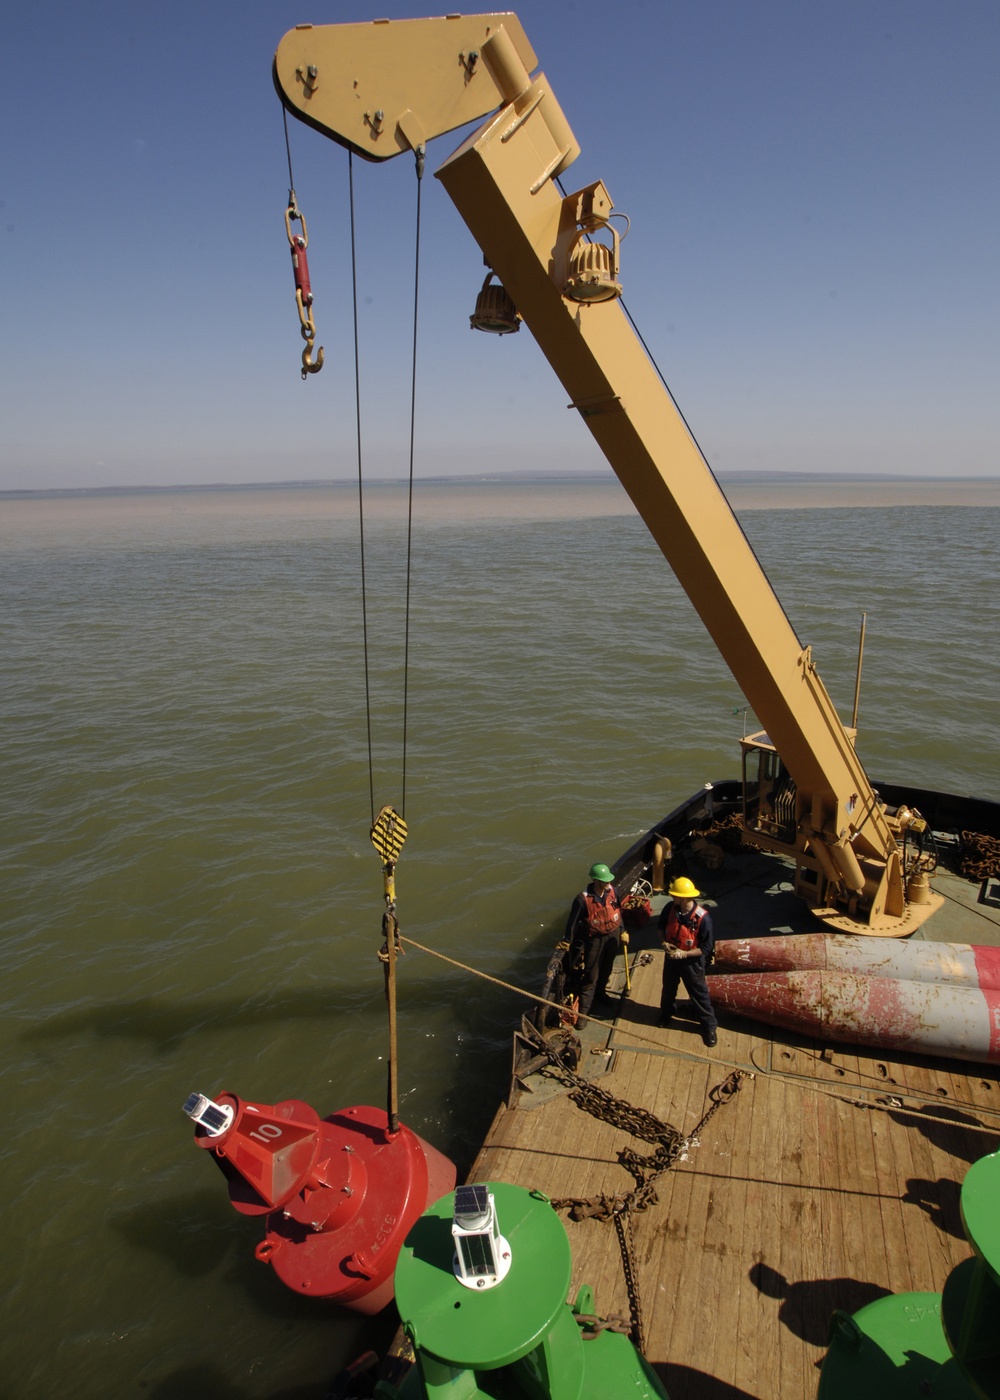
390	86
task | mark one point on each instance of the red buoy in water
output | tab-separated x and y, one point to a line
340	1193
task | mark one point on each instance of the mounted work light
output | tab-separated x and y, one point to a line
495	312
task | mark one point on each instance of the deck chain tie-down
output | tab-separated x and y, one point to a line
980	855
646	1170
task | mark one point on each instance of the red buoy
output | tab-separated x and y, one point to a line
340	1193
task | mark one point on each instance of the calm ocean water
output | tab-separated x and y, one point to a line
190	897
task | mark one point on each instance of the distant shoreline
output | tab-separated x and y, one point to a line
108	516
500	479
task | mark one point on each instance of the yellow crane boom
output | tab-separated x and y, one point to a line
390	86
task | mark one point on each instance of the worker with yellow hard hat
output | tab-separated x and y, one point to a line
688	940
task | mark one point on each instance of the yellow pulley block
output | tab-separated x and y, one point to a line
388	834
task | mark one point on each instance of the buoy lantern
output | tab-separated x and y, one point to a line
339	1193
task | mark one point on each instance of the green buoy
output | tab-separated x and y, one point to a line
947	1345
481	1286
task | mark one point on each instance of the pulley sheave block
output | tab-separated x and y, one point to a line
388	835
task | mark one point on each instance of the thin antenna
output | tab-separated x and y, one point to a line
857	679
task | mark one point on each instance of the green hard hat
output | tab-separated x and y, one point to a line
602	873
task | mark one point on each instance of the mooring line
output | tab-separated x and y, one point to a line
715	1061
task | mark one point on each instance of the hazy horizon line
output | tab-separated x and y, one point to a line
480	478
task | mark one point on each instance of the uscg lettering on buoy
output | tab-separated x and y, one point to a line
916	1312
383	1233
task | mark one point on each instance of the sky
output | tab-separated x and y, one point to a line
814	201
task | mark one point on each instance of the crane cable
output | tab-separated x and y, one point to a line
388	828
361	493
691	434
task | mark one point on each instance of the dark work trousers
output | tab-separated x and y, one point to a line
690	971
599	958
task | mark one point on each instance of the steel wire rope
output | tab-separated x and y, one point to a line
714	1060
711	471
288	151
419	153
361	493
410	479
390	926
698	447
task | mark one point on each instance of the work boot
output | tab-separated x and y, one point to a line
710	1037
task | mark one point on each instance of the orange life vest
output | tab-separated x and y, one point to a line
681	935
603	915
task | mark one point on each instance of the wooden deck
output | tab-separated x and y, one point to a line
795	1202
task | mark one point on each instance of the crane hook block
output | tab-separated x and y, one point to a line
388	834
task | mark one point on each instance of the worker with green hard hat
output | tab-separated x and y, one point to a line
596	920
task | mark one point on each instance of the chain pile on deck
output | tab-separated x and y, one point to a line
557	1057
980	855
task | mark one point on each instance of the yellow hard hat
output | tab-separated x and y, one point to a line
682	888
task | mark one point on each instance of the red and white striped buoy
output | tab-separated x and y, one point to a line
957	964
961	1023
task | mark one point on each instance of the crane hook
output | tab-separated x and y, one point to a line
310	366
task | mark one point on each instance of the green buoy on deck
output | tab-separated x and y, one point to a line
926	1344
481	1286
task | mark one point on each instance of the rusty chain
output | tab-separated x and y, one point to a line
980	855
640	1123
645	1169
591	1325
626	1247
